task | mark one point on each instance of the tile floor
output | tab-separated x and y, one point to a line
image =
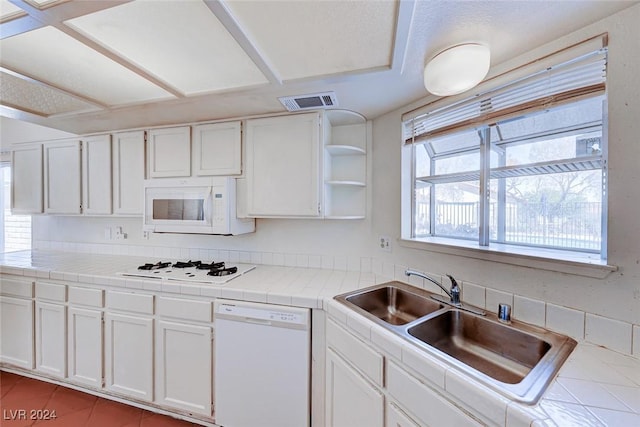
27	402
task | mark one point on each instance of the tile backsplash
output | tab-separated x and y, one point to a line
620	336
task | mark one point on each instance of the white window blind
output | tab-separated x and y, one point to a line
569	81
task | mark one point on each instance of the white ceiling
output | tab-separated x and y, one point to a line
91	66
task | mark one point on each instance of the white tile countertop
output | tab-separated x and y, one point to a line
595	387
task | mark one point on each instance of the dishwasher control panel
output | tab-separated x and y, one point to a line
263	312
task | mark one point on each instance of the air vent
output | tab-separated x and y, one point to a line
310	102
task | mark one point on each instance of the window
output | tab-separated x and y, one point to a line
522	165
16	229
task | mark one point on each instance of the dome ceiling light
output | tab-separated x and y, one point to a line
457	69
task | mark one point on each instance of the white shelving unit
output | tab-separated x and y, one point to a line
345	165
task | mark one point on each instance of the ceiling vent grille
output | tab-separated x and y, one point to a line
312	101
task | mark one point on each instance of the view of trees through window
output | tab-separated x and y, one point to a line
545	180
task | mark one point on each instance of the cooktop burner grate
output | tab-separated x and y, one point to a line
222	271
158	265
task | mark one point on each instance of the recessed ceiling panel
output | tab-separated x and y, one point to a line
314	38
49	55
179	42
9	11
35	98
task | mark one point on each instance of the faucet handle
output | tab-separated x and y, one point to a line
455	290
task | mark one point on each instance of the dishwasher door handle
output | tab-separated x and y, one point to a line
257	321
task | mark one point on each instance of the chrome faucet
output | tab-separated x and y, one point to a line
454	292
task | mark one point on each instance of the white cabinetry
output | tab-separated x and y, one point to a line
26	179
62	177
345	165
397	418
170	152
283	166
352	401
16	322
85	335
96	175
353	397
129	344
128	173
184	351
51	329
217	149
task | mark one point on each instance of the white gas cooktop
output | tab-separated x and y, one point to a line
188	272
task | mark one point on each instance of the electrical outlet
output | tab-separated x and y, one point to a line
385	243
145	234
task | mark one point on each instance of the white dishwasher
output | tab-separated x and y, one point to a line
262	365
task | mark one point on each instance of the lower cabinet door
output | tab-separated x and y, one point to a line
397	418
85	346
16	332
184	374
129	355
51	339
351	401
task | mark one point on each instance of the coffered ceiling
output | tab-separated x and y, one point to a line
90	66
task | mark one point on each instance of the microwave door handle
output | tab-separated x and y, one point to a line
206	207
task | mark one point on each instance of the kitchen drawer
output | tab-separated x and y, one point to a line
423	402
17	288
199	311
86	296
125	301
397	418
363	357
51	292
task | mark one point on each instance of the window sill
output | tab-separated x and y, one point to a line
580	264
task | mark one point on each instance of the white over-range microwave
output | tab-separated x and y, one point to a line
193	205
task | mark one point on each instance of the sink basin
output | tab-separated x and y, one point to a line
515	359
393	303
499	351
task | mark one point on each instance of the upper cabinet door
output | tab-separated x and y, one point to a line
170	152
283	166
62	177
96	175
128	173
26	180
217	149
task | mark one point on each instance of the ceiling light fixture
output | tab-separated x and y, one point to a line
457	69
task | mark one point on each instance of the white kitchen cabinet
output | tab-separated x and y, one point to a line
128	172
16	322
26	178
351	400
283	166
345	165
62	177
217	149
85	346
428	406
169	152
96	175
85	336
129	344
397	418
51	338
184	366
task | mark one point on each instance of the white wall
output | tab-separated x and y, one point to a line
616	297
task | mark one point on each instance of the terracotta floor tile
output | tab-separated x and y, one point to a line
107	413
72	408
73	419
7	381
65	400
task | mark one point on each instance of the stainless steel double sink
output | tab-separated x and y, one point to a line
515	359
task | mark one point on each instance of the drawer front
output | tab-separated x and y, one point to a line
178	308
366	359
17	288
51	292
423	402
134	303
86	296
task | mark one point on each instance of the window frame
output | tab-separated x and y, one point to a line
554	259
